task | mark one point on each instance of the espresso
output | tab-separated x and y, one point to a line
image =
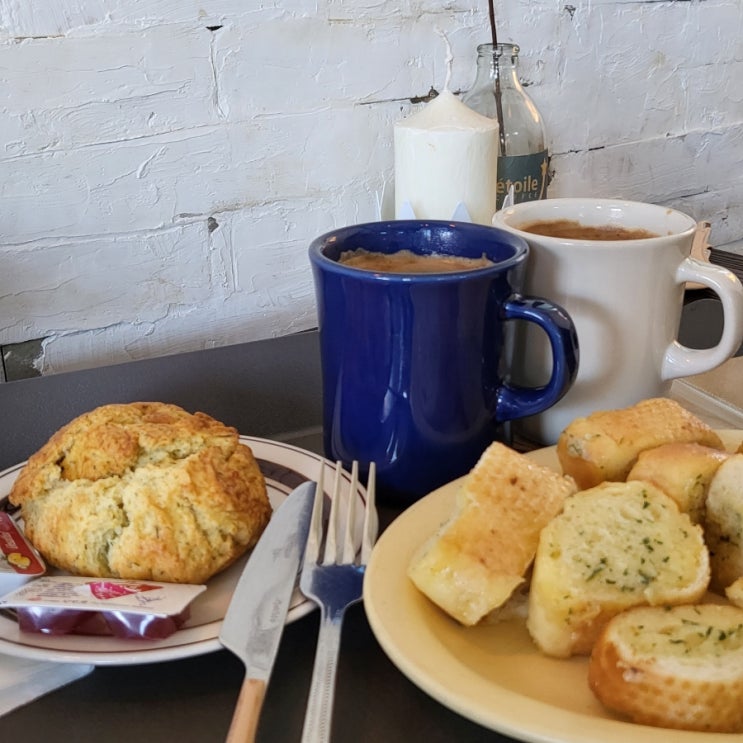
405	261
573	230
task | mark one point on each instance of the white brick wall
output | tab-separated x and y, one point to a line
161	180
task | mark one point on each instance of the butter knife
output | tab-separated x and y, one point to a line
256	615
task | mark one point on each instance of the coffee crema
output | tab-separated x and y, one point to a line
405	261
573	230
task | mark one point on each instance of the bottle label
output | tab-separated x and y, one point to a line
526	173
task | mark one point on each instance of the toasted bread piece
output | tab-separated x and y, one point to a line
734	592
682	470
677	667
605	445
479	557
613	547
723	527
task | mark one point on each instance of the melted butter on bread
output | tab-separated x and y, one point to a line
682	470
613	547
606	444
473	564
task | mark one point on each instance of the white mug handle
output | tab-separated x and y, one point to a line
681	361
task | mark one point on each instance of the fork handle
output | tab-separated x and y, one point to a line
247	711
319	715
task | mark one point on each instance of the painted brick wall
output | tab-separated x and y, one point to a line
165	163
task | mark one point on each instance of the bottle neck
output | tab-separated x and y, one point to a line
499	63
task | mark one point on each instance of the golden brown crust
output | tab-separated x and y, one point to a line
143	491
605	445
679	668
682	470
472	565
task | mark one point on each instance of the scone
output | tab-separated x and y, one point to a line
723	526
473	564
143	491
613	547
605	445
681	470
679	667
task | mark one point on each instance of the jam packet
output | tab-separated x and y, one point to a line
19	561
60	605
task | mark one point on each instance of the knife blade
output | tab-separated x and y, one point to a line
255	619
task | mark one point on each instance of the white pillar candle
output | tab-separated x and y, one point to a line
446	154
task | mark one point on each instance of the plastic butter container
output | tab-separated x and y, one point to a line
60	605
19	561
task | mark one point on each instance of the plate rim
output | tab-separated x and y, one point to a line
149	651
509	711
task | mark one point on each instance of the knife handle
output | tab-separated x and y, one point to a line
247	711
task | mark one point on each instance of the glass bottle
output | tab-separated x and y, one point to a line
497	92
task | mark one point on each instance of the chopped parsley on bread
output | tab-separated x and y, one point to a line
674	667
613	547
617	567
683	470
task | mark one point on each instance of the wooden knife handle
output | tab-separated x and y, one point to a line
247	711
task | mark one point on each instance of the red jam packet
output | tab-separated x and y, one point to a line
19	561
61	605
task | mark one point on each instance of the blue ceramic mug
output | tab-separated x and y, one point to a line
415	366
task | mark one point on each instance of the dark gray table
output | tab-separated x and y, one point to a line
269	389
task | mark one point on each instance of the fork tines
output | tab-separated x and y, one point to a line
345	551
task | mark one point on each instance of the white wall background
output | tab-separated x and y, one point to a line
165	163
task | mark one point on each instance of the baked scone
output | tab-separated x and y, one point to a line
473	564
143	491
723	527
613	547
605	445
677	667
682	470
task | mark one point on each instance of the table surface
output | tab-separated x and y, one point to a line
269	389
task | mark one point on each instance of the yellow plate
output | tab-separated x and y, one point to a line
493	675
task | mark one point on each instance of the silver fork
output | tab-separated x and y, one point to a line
334	583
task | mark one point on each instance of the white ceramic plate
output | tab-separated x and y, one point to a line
493	675
284	466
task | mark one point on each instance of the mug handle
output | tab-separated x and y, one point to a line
682	361
519	402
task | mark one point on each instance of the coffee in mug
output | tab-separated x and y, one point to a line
406	261
625	295
573	230
415	366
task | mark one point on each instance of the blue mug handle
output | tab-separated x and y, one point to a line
513	401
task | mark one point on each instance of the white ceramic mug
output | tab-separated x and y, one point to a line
625	297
